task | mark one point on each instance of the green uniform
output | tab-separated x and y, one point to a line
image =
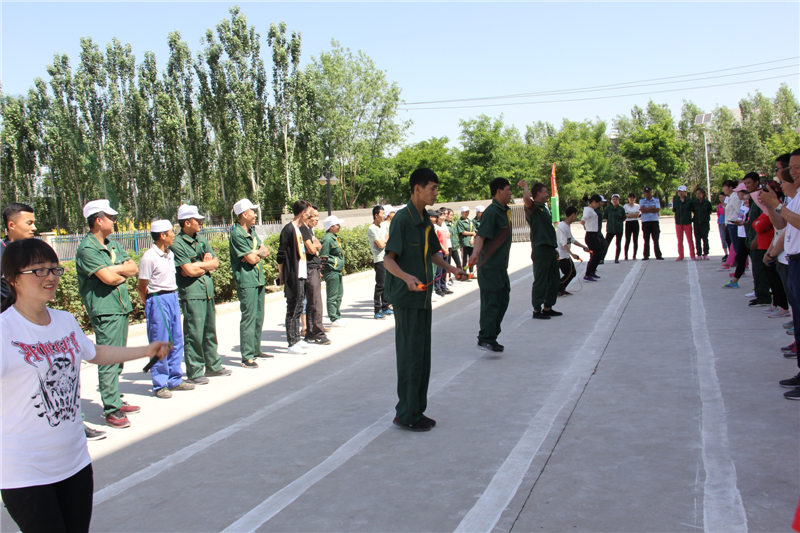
464	224
544	255
108	308
604	245
414	242
702	224
333	256
493	281
760	280
250	284
197	307
454	242
615	219
684	211
476	222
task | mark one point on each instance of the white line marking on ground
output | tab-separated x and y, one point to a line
498	494
723	510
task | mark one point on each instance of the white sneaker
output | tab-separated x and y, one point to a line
435	297
296	349
450	283
304	345
769	310
339	323
750	294
780	313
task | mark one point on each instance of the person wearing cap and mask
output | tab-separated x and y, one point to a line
103	266
194	262
702	222
649	207
388	213
465	227
158	291
684	214
476	222
333	257
615	216
247	252
292	274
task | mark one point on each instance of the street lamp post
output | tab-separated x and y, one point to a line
705	119
327	178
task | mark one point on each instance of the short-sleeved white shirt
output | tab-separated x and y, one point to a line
40	414
376	233
590	221
791	243
158	268
564	236
631	209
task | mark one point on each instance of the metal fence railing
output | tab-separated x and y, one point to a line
140	240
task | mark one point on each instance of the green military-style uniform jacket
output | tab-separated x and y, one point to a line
454	244
600	217
332	250
242	243
414	241
189	250
540	220
702	211
98	298
615	217
464	224
684	211
476	223
496	230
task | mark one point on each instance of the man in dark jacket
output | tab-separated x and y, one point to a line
615	216
292	274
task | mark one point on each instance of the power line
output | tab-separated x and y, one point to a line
624	85
598	97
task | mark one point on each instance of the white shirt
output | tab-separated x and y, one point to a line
564	236
630	210
742	215
732	206
302	265
158	268
590	222
40	418
791	242
376	233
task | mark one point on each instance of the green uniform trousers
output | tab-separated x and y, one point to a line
110	330
251	303
494	303
334	289
760	279
546	277
412	340
200	337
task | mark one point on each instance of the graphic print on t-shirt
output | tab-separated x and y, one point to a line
57	398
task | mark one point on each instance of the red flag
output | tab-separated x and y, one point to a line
554	189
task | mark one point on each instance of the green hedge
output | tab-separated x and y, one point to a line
357	257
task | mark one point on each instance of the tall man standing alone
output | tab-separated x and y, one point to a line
649	207
492	249
103	267
194	262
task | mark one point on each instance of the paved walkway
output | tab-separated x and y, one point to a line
651	405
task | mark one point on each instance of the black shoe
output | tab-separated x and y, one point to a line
93	434
644	258
659	258
552	312
791	383
490	346
724	258
430	421
792	394
420	425
249	363
616	260
541	315
321	340
602	262
755	303
264	355
448	291
218	373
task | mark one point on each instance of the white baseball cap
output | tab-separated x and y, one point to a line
186	212
388	209
243	205
682	188
160	226
615	195
464	208
98	206
332	220
480	209
602	198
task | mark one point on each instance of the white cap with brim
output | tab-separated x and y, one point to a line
160	226
479	209
602	198
332	220
243	205
615	195
98	206
186	212
682	188
388	209
464	208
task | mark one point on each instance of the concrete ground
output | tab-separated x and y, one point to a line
651	405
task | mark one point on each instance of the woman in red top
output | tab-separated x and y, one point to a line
765	231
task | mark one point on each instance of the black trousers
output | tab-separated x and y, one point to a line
63	507
466	251
632	230
596	247
567	268
776	285
793	294
314	327
650	230
618	238
294	308
742	253
454	257
380	280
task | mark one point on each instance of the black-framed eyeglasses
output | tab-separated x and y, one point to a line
44	272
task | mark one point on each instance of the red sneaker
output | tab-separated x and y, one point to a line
129	409
117	419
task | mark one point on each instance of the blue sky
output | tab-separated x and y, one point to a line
455	50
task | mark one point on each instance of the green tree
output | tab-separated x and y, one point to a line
434	154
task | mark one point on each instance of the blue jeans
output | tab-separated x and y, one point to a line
163	314
733	232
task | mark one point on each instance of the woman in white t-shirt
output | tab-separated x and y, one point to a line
632	214
45	470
